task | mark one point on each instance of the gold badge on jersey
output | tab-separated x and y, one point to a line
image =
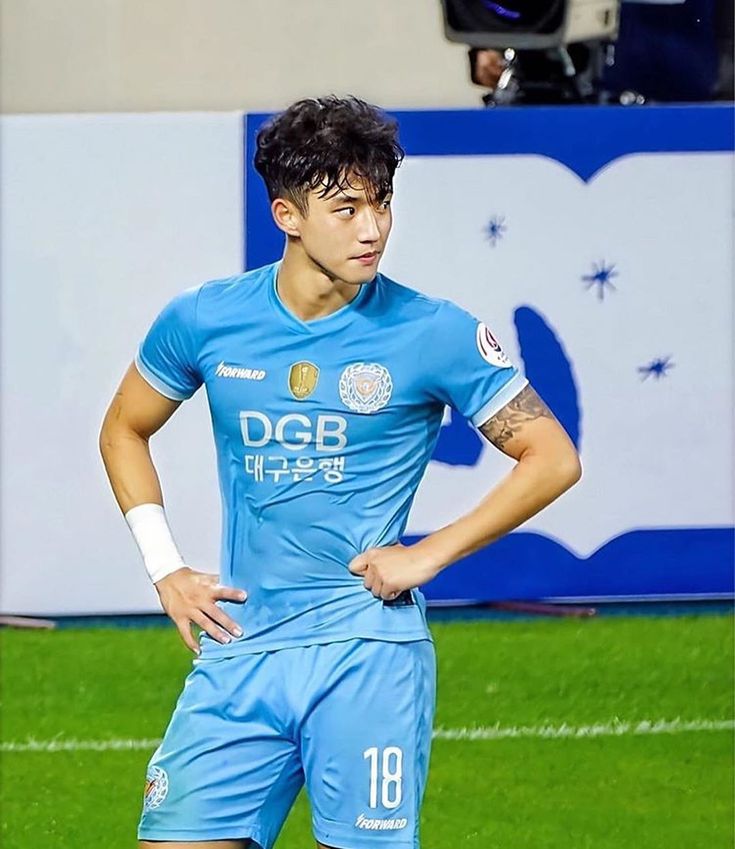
302	379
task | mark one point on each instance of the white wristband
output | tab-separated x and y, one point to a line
153	535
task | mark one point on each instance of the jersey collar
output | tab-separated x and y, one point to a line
326	324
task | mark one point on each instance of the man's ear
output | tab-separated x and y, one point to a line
286	216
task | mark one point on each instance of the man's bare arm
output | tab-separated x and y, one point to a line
547	465
508	422
136	412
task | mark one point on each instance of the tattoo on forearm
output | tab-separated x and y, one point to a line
506	423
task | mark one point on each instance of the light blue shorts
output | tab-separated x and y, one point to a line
352	720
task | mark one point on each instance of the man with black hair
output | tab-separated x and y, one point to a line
327	383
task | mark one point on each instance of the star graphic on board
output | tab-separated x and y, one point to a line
601	278
658	368
495	229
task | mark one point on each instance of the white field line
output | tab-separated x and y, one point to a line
60	745
615	728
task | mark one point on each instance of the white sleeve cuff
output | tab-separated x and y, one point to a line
512	388
156	382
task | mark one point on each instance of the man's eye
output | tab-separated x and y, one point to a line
349	209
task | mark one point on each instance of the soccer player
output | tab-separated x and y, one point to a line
327	383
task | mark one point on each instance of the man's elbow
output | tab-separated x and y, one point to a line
559	462
114	435
106	441
569	470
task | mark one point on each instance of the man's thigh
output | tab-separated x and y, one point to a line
365	743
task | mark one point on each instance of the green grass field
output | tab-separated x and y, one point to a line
667	790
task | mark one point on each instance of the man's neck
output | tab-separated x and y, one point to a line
308	291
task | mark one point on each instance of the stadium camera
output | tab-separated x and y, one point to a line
529	25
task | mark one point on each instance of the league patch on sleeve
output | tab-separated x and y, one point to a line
490	349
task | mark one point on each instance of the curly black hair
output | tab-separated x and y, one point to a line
323	142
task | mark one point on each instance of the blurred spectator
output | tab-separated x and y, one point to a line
558	75
666	51
673	52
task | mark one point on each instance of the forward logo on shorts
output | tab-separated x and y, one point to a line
224	370
380	825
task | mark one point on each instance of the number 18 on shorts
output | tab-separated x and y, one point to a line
386	785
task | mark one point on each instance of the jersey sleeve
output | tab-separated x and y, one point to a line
167	357
471	371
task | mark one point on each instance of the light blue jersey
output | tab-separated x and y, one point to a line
323	432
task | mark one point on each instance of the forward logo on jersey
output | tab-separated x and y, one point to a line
225	370
490	349
156	787
302	379
365	387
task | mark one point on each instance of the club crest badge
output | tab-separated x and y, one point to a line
365	387
156	787
490	349
302	379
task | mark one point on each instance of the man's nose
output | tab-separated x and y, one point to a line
368	231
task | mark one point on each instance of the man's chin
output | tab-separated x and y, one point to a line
357	277
352	273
